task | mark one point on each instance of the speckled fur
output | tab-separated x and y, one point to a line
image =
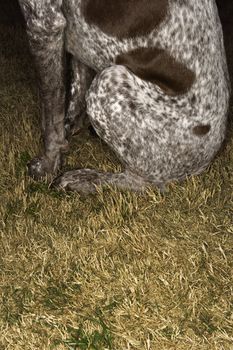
151	132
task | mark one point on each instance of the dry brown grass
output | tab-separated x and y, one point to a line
114	270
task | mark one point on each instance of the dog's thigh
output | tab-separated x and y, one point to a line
146	129
123	114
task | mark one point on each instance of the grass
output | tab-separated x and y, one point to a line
115	270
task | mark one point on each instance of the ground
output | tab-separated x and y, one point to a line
115	270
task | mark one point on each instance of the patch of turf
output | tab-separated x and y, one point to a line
96	340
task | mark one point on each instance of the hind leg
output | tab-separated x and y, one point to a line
117	116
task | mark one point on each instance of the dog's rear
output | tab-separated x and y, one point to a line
160	97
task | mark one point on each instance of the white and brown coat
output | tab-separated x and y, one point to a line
151	74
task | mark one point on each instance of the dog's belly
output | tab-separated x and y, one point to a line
86	43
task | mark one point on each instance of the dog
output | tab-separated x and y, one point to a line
149	75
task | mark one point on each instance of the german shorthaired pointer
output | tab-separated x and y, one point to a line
150	76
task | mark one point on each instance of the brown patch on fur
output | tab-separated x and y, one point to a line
201	130
125	18
158	67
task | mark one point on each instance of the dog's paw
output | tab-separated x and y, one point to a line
39	167
80	180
